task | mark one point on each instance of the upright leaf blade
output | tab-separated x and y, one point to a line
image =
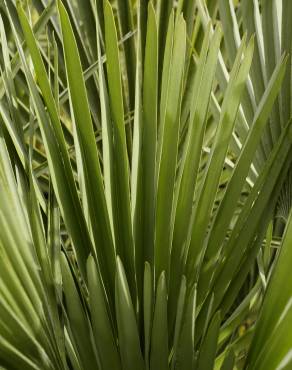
58	158
168	160
121	213
159	337
129	341
145	139
98	215
101	323
209	185
209	345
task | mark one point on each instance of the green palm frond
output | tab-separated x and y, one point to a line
145	169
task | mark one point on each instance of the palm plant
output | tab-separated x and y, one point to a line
145	185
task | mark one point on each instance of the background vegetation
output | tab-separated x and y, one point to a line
145	185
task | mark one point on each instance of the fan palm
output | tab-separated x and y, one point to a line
145	185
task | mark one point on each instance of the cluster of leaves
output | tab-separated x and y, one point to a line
145	184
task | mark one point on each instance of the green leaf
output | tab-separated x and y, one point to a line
144	153
272	339
208	186
179	320
119	165
285	102
248	225
94	191
58	159
159	336
127	24
148	311
167	159
54	240
185	356
232	193
189	165
79	323
209	345
129	341
272	49
229	360
101	321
